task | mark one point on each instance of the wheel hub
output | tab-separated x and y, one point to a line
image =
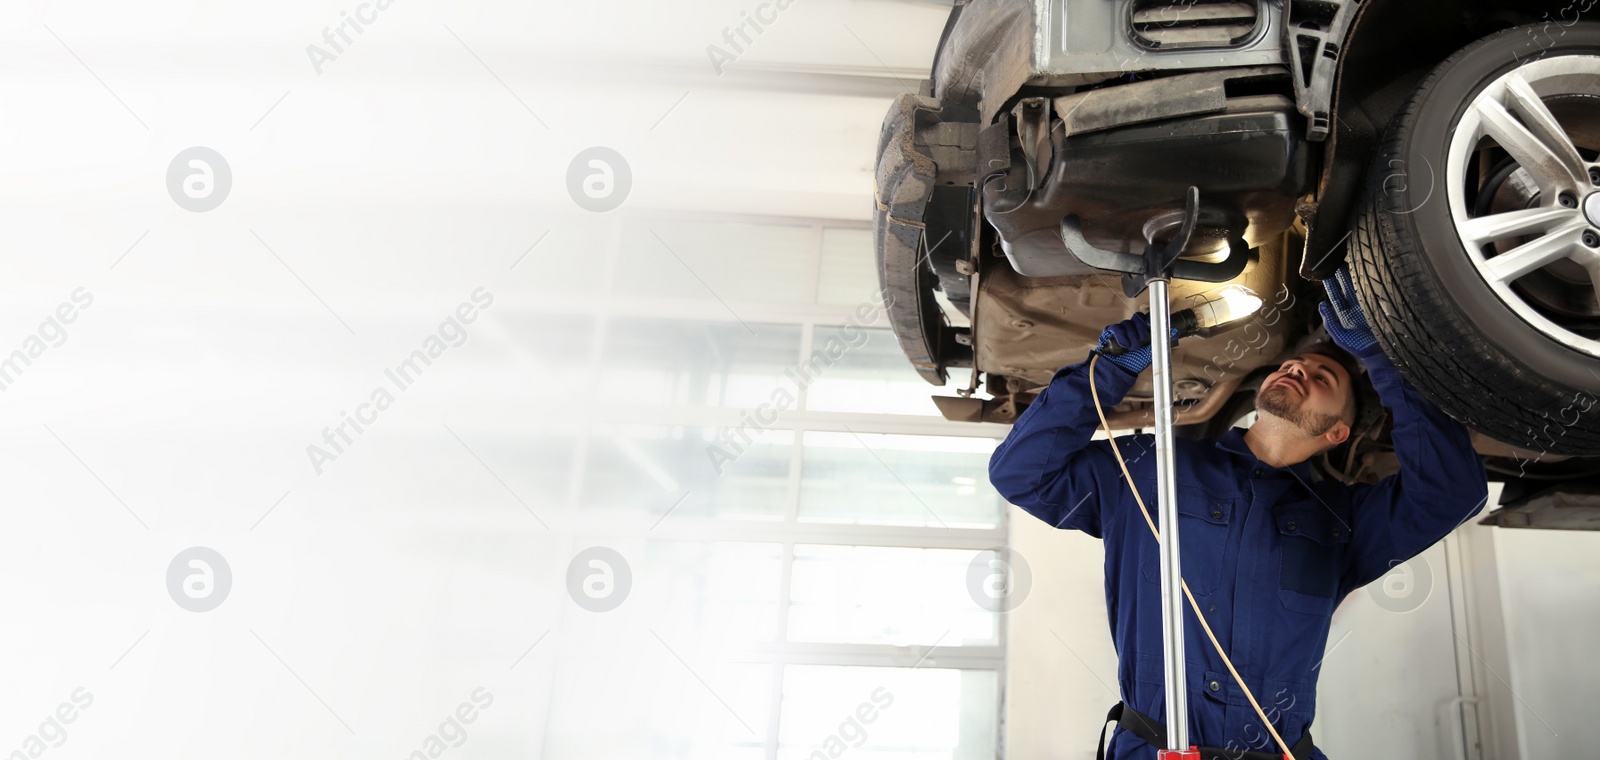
1557	238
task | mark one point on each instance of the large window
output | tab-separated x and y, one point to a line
800	526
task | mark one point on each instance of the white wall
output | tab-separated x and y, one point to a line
1549	584
1061	669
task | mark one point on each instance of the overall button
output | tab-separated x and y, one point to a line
1292	525
1216	514
1258	472
1214	686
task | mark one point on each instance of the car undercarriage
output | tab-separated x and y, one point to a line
1320	135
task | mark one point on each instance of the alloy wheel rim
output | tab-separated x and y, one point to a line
1512	111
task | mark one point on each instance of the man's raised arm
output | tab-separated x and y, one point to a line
1440	485
1441	482
1048	465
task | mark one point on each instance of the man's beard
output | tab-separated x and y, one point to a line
1275	400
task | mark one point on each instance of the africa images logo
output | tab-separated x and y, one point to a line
199	579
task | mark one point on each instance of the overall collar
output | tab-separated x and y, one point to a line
1233	441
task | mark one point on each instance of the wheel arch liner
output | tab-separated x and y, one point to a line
904	183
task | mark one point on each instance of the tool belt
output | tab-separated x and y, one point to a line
1154	733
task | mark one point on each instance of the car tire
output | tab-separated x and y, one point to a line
1437	308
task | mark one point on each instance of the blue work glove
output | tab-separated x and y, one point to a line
1342	315
1133	334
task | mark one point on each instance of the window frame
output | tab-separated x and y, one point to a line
809	317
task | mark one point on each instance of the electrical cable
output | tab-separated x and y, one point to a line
1095	392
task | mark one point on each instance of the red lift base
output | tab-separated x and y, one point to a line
1192	753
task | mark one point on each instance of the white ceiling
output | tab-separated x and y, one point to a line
419	149
407	114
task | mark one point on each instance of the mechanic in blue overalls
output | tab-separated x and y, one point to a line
1267	549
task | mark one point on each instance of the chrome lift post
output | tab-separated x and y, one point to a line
1167	505
1155	269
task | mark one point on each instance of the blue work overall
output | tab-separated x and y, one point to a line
1268	552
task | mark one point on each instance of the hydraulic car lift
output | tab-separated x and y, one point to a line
1154	269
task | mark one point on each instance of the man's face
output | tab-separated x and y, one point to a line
1309	391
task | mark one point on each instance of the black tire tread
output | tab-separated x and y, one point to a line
1428	336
